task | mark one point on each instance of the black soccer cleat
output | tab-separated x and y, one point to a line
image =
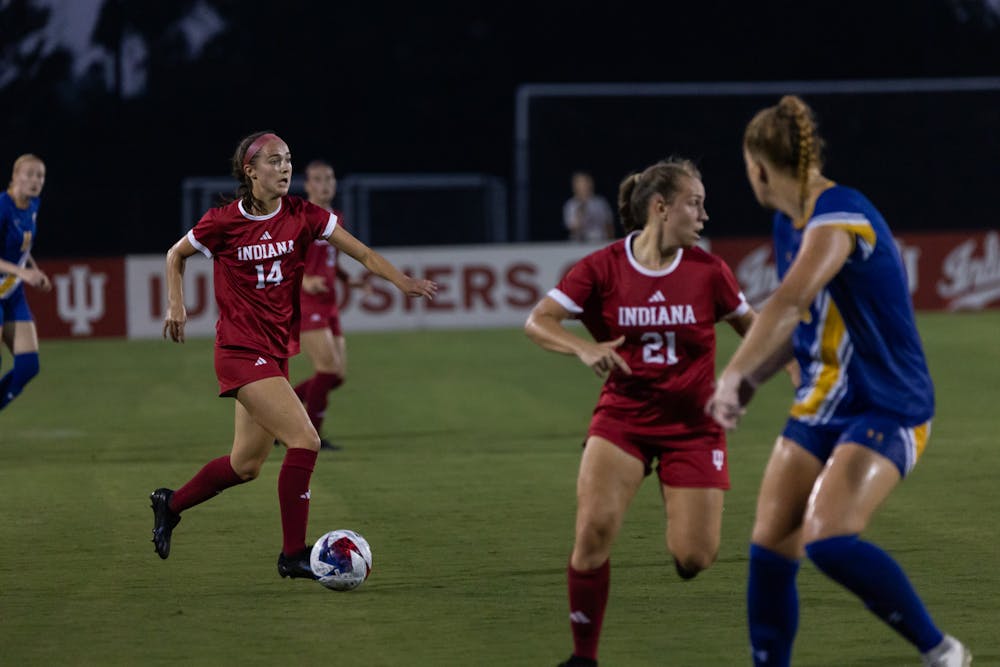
577	661
297	566
164	520
329	446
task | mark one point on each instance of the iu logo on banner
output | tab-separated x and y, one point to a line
80	298
87	299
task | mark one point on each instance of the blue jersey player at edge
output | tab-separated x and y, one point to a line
862	413
18	213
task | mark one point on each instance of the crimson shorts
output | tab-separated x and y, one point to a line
320	316
685	460
237	366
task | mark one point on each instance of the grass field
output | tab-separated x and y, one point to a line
459	466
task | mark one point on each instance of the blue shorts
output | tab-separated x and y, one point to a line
15	307
882	433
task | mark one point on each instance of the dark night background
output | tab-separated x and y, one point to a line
430	87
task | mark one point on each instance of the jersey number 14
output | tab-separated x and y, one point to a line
273	277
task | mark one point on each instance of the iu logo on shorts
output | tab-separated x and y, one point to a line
718	458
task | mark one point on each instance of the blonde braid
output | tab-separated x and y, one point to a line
807	148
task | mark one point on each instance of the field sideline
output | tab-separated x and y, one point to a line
459	465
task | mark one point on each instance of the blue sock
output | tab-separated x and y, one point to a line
877	579
25	367
772	607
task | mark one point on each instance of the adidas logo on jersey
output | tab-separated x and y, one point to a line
260	361
266	237
657	297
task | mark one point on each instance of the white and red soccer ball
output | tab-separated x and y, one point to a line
341	560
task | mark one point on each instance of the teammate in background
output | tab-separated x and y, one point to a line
259	244
651	302
18	211
322	338
861	416
587	215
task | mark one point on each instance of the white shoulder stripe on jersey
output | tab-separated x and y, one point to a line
840	216
560	297
197	246
331	225
839	219
741	309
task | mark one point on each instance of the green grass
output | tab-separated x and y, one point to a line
459	466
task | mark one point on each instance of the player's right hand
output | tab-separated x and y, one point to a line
174	323
314	284
602	358
36	278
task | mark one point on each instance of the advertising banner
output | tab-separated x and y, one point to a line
479	286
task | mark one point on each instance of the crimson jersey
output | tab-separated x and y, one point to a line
259	260
321	260
668	319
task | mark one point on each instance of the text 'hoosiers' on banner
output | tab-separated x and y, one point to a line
479	286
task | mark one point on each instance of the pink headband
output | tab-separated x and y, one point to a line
256	146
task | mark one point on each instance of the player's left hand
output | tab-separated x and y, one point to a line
413	287
727	404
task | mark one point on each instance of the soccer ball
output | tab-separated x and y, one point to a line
341	560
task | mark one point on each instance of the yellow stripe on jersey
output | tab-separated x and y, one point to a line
831	338
7	284
857	230
921	434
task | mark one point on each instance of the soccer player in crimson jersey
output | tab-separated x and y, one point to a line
650	302
322	338
258	244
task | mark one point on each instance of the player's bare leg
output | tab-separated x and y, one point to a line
854	483
607	482
21	338
275	409
694	527
772	595
784	493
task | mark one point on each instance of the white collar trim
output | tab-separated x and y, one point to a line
258	217
642	269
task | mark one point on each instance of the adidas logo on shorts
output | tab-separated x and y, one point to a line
260	361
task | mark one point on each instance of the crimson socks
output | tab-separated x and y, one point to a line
215	477
314	393
293	497
588	597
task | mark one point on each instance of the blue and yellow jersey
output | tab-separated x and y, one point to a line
17	234
858	346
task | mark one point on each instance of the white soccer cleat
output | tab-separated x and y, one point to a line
949	653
